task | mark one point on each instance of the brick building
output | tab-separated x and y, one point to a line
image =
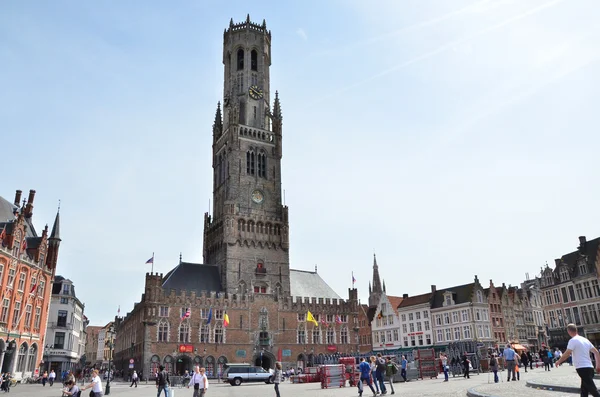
27	267
91	344
246	274
495	296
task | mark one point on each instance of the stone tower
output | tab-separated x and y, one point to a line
247	235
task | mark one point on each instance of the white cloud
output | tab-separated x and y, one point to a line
300	32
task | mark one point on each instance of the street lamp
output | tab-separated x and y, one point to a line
110	348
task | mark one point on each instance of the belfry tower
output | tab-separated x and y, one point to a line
247	235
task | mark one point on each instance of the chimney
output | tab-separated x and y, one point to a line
582	241
503	285
29	207
18	197
404	296
557	262
433	288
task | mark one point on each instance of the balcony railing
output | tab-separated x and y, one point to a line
61	325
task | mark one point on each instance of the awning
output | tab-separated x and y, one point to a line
517	346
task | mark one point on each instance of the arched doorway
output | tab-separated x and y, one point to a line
264	359
210	367
301	361
221	361
182	363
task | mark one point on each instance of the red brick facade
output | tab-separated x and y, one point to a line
27	266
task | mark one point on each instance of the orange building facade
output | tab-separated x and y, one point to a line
27	268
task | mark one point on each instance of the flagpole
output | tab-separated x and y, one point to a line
152	271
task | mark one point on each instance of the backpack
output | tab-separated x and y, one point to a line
380	365
394	369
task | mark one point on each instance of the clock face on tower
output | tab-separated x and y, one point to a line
255	92
257	196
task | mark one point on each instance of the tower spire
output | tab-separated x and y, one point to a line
277	107
218	124
377	290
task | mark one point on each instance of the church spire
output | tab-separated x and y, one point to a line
376	278
383	285
218	124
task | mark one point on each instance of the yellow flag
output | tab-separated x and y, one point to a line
311	319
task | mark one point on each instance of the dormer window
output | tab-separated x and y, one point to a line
66	289
479	297
548	278
564	274
582	268
448	299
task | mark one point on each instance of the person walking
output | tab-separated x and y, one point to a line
134	378
390	370
494	367
373	372
162	381
510	357
580	348
444	360
277	378
546	360
44	378
365	376
403	365
524	360
379	372
51	377
530	360
197	382
95	385
465	363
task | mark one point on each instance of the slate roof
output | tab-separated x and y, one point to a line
590	249
415	300
310	285
6	210
460	294
192	277
57	286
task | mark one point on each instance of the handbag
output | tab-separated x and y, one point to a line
92	394
196	386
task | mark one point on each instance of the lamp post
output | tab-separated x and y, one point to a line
110	347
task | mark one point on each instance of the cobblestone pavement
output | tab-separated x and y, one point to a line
423	388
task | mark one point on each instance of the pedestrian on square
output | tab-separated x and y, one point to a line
373	372
391	369
162	381
134	379
51	377
510	356
444	360
44	378
524	360
277	378
403	365
494	367
365	375
71	389
580	348
530	360
379	373
96	385
197	381
465	363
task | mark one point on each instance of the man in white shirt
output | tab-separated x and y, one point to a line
580	348
199	382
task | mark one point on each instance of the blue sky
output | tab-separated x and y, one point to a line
452	138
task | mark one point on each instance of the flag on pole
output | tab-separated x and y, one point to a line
208	320
24	244
187	314
119	311
338	319
34	288
225	320
311	319
323	321
353	279
151	260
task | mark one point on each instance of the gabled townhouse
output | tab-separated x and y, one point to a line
416	330
461	313
520	330
494	296
534	314
385	326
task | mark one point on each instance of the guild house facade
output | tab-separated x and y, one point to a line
27	265
245	303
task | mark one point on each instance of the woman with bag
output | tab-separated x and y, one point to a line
444	366
277	379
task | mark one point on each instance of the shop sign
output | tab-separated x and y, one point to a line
332	348
186	348
286	353
240	353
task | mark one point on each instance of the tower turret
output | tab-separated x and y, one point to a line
54	244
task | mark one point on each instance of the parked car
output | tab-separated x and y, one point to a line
236	375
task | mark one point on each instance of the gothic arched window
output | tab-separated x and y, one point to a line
250	162
32	362
254	60
262	165
240	59
163	331
184	332
21	360
204	334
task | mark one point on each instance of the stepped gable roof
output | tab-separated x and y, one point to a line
307	284
192	277
395	301
415	300
590	249
460	294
